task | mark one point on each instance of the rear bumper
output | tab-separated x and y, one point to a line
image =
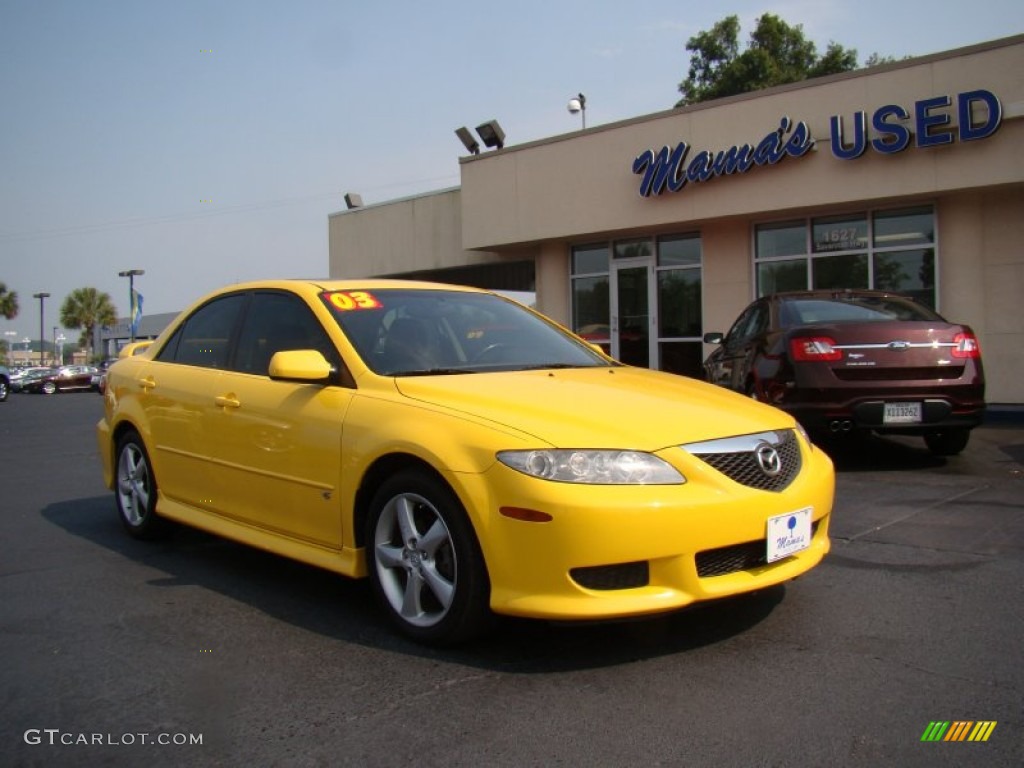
868	413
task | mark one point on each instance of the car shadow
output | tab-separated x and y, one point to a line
875	453
327	604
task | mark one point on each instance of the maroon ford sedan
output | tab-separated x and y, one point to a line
846	361
64	379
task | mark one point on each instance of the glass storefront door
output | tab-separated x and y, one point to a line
633	292
640	300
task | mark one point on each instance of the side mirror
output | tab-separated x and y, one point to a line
300	365
714	337
135	348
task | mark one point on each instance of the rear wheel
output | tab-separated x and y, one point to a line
135	489
947	442
49	387
4	389
424	560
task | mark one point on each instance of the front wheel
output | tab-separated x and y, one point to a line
424	560
5	389
49	387
947	442
135	489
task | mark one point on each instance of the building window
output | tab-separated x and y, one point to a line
891	250
680	306
591	307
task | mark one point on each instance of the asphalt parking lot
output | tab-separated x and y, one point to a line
112	646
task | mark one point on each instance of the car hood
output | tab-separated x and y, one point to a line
608	407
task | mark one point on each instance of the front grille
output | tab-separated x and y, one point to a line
621	576
737	557
870	373
738	459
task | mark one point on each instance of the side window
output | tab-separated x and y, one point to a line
738	330
759	322
205	337
275	322
753	321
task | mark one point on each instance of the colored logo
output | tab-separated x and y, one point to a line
958	730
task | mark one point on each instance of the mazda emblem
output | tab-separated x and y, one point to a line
768	459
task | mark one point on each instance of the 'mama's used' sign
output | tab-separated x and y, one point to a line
929	124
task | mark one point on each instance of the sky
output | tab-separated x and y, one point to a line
206	142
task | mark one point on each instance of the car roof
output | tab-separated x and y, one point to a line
836	294
319	285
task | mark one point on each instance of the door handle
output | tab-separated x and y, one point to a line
147	383
227	401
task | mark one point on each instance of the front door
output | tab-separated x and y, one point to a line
633	321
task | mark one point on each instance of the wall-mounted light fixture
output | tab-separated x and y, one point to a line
578	103
491	134
352	200
471	144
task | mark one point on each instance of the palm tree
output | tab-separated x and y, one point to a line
86	308
8	302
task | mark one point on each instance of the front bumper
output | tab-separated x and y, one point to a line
619	551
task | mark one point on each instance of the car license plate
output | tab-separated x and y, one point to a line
788	533
902	413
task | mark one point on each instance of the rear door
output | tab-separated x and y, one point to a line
177	391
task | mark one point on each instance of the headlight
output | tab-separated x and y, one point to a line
594	467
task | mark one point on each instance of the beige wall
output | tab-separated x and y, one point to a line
982	281
407	235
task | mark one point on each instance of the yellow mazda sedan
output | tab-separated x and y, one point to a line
468	455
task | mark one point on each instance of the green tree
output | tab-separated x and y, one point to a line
8	302
776	54
85	308
9	309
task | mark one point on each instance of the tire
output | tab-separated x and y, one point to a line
48	388
947	442
135	489
5	389
424	561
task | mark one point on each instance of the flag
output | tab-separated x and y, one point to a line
136	311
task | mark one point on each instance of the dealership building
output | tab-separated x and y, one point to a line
644	234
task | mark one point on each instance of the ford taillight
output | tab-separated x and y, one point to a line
814	349
966	346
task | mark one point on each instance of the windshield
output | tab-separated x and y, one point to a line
852	309
410	332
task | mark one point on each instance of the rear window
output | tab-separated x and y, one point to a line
853	309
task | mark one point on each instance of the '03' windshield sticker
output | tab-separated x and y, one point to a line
347	301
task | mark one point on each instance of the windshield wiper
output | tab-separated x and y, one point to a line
555	366
435	372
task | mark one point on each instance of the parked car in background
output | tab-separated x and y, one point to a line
67	378
848	361
17	376
99	379
464	452
5	383
27	376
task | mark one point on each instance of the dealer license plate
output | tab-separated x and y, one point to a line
902	413
788	533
